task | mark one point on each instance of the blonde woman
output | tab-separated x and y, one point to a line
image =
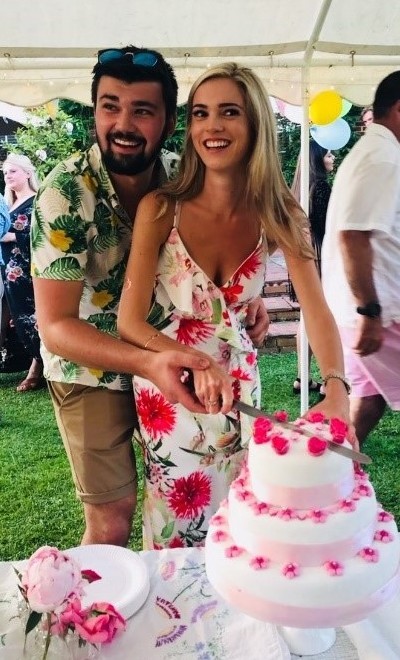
20	190
198	258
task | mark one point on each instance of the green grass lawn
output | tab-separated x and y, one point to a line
38	505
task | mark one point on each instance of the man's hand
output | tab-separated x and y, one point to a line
370	336
166	370
257	321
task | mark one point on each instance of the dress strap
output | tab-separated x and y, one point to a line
177	214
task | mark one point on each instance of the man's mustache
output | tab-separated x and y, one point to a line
129	137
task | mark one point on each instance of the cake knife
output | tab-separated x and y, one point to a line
333	446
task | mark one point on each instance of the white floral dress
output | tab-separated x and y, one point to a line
191	459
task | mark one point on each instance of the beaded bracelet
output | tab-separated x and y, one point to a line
156	334
339	376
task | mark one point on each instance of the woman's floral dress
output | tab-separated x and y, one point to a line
18	286
191	459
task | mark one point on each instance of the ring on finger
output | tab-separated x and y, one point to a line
213	403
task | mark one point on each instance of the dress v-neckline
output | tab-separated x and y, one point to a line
210	279
14	208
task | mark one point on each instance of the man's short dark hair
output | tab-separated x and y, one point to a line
124	69
386	95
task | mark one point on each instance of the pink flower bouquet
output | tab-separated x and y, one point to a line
52	586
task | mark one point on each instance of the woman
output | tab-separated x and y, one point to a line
198	257
20	189
321	164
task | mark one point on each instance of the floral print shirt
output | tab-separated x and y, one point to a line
80	232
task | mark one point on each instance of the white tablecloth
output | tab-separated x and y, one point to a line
183	617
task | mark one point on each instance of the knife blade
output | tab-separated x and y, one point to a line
333	446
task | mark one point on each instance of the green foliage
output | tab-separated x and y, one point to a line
83	122
289	147
175	142
47	139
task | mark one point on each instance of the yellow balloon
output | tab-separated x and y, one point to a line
325	107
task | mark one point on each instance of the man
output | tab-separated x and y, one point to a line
81	237
361	261
366	117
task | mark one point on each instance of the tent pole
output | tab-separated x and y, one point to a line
304	189
304	200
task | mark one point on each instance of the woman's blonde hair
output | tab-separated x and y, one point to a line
280	215
25	164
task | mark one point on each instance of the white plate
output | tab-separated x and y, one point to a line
124	580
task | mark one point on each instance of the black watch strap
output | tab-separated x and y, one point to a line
372	310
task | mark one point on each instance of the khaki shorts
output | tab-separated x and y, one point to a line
96	426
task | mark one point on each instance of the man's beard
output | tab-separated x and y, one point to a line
130	165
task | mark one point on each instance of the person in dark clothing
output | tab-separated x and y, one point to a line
321	164
21	187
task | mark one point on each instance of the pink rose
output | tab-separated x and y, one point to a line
316	446
50	579
315	417
338	429
280	444
281	416
101	623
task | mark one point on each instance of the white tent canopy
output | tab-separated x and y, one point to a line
48	48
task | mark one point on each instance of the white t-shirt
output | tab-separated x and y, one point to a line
366	197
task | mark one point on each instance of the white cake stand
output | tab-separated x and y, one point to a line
305	641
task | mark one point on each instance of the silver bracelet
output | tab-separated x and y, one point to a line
338	376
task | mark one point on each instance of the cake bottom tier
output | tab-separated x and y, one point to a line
310	597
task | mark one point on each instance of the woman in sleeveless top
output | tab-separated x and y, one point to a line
198	258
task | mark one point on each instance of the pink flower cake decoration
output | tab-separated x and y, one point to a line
334	568
316	417
261	429
260	508
233	551
259	563
219	536
347	506
286	514
291	570
280	444
369	554
217	520
281	416
383	536
243	495
316	446
384	516
338	429
318	515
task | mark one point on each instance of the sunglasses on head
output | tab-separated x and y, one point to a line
142	58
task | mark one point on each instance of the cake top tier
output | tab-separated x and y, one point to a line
287	457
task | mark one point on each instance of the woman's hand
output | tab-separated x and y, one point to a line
213	388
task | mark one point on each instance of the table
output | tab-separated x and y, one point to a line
184	617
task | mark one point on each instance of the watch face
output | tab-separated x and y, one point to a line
372	309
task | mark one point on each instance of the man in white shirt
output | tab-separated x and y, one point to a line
361	261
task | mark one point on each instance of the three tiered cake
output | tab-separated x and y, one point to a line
301	540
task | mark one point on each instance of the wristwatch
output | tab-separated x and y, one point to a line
371	309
